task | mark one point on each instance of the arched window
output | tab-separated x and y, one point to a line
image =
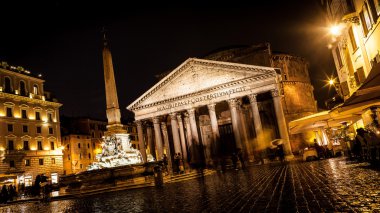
35	89
7	85
22	88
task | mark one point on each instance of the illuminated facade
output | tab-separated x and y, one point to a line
207	110
29	129
355	41
355	46
298	97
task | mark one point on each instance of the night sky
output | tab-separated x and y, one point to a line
63	41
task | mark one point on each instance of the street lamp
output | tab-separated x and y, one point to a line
331	82
336	30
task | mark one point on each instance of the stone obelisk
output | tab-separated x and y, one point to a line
113	111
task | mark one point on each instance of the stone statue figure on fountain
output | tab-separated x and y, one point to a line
116	151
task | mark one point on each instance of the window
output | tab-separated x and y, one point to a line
38	116
7	85
12	164
24	128
88	145
365	19
68	156
41	162
35	89
26	145
93	134
93	145
81	166
377	6
9	112
373	9
79	145
352	39
22	88
53	161
27	162
10	145
54	178
23	114
50	117
28	180
338	56
10	127
50	130
39	144
80	155
52	145
68	146
89	155
38	129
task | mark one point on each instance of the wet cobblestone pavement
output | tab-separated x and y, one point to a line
322	186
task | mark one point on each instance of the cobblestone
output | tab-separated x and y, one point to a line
332	185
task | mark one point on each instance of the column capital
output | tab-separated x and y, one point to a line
191	112
179	117
252	98
138	123
156	120
163	126
211	107
275	93
233	102
173	116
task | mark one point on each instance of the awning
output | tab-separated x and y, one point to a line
367	96
369	91
330	118
4	177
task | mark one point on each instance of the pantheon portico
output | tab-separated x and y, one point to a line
207	109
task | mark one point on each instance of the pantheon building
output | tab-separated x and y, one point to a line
234	99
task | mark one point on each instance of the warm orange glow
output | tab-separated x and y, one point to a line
336	30
331	82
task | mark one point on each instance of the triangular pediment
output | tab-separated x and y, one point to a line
196	75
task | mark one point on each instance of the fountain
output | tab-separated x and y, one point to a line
116	151
119	166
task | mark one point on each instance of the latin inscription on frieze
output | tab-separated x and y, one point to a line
201	98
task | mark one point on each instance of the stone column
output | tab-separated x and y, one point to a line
214	121
141	140
149	133
235	122
256	121
194	148
188	133
157	134
215	128
193	126
166	145
245	140
176	139
183	140
281	123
